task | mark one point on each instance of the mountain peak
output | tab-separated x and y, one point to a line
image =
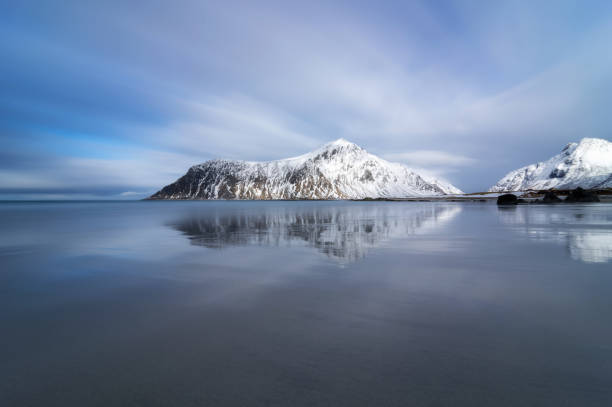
342	143
339	145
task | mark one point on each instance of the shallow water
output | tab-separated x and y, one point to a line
305	303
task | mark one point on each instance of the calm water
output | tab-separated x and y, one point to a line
305	304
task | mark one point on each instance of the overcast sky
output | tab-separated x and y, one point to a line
105	99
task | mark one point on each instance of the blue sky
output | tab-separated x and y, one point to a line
116	99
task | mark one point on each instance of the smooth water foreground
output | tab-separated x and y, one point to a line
305	304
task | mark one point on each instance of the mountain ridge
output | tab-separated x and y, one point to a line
337	170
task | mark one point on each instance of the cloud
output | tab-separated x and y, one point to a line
468	90
131	194
235	126
431	158
144	172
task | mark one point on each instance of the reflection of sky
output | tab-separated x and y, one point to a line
585	229
343	233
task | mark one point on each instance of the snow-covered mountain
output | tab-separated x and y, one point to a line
338	170
587	164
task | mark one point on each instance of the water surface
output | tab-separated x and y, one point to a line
305	304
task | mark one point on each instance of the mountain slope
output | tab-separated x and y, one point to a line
338	170
587	164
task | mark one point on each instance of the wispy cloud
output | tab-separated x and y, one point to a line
471	90
431	159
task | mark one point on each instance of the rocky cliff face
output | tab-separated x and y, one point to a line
587	164
338	170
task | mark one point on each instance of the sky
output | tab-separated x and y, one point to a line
115	99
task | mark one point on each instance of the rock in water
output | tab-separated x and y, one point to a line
338	170
507	199
551	197
580	195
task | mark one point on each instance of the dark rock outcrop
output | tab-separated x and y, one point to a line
507	199
550	197
581	195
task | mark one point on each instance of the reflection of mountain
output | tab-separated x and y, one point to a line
586	231
345	233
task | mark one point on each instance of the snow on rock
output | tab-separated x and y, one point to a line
587	164
338	170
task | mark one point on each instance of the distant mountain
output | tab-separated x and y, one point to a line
338	170
587	164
